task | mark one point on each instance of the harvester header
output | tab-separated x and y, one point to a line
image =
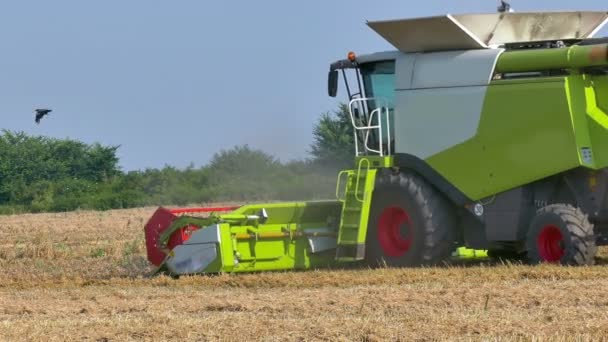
480	132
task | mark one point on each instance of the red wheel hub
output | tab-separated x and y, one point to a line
550	244
394	231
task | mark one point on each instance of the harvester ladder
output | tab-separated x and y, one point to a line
355	210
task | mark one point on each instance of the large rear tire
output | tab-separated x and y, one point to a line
411	223
561	234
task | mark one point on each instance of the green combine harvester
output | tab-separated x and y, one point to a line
480	131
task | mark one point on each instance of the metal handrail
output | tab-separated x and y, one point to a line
361	162
339	182
369	127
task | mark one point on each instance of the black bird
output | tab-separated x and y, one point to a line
504	7
40	113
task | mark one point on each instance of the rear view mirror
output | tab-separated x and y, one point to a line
332	83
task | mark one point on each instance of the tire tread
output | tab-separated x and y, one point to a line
583	247
435	212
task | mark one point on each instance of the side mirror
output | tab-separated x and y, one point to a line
332	83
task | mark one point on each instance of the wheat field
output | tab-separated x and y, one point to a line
83	276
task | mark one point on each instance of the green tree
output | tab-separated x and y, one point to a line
244	173
41	174
170	185
333	142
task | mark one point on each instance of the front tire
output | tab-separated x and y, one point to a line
411	224
561	234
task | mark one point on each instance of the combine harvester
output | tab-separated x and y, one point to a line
488	131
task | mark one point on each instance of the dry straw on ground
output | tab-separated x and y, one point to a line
83	276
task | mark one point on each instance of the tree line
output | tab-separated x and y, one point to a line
42	174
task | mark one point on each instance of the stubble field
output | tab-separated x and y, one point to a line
83	276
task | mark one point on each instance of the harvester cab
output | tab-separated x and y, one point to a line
487	131
371	99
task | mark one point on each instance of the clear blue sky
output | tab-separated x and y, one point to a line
175	81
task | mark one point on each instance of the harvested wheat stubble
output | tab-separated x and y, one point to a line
82	276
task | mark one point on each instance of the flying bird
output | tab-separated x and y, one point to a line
504	7
40	113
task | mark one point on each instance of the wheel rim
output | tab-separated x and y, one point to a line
394	231
550	244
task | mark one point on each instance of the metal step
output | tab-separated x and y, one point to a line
350	253
350	220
